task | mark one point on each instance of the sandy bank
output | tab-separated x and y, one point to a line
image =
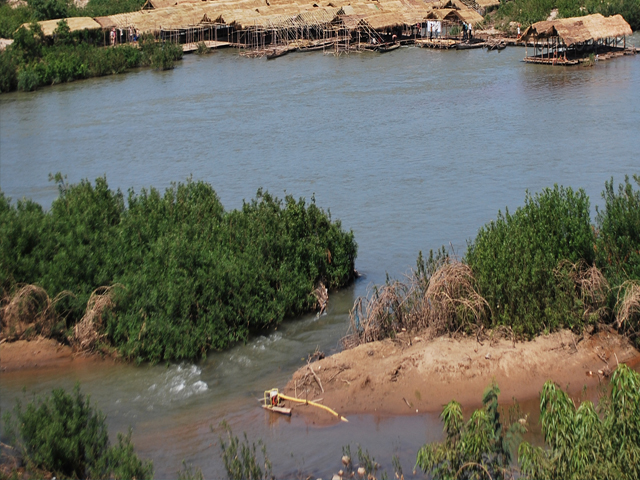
39	353
408	375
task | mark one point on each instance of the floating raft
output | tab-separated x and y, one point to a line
192	47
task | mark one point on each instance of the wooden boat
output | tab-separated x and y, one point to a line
468	46
316	47
385	47
277	52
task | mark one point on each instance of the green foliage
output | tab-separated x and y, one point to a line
203	49
241	459
11	18
100	8
479	448
8	72
189	473
65	435
618	239
527	12
584	443
195	277
515	261
48	9
33	61
159	55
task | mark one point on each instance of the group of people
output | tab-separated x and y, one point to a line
132	35
467	31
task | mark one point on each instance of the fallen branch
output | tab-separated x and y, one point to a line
316	377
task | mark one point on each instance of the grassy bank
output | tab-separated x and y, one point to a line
542	268
527	12
33	60
162	277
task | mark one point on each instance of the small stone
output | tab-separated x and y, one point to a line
346	460
361	471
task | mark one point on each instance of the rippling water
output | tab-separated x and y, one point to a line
411	150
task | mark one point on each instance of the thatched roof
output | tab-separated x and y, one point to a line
579	29
242	14
75	23
467	16
488	3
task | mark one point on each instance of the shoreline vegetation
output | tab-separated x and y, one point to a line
154	277
64	435
542	268
35	59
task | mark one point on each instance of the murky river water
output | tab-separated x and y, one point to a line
411	150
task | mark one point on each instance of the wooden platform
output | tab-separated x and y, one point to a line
192	47
281	410
443	43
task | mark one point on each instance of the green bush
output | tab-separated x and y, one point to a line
241	459
8	72
527	12
65	435
28	79
516	258
195	277
475	448
618	226
585	443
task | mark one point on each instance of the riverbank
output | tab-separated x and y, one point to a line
42	353
409	375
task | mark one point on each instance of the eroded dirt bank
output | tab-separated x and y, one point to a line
408	375
38	354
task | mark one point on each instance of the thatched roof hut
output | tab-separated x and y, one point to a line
577	30
75	24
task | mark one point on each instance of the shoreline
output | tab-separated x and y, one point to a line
409	375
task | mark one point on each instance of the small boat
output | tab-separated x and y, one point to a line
277	52
468	46
386	47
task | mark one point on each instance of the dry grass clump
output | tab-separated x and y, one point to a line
451	299
86	333
591	287
442	302
628	306
29	312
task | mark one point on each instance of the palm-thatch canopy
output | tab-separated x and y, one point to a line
578	30
75	24
242	14
488	3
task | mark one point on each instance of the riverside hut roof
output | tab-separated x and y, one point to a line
243	14
466	15
488	3
577	30
75	24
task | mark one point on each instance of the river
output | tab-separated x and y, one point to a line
411	150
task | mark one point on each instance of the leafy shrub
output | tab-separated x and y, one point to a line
471	450
585	443
241	458
618	239
28	79
64	434
8	72
516	258
195	277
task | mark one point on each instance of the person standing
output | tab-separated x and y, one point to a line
470	32
112	36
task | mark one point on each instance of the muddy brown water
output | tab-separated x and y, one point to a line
411	150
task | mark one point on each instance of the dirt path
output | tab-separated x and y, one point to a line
408	375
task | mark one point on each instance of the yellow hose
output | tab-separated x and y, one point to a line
314	404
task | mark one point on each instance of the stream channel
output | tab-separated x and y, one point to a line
411	150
